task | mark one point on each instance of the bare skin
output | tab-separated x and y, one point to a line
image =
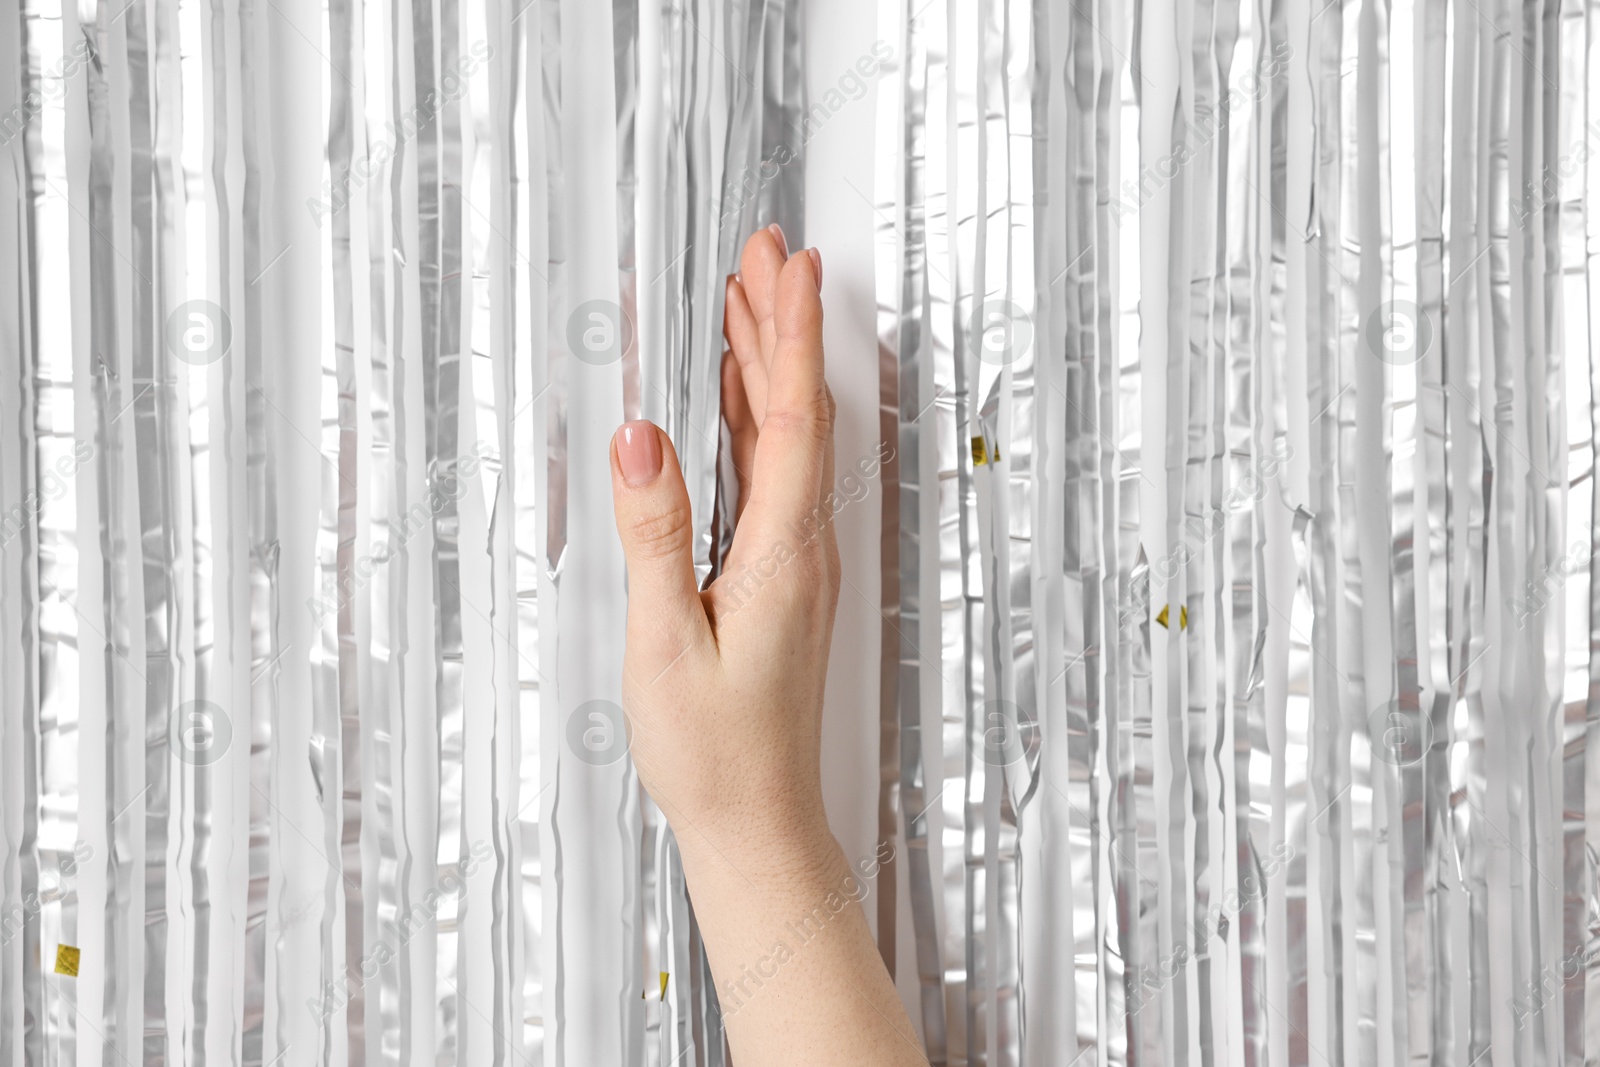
723	691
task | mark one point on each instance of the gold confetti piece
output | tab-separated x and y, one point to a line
67	960
663	985
980	452
1183	617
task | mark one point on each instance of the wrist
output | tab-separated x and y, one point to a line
797	851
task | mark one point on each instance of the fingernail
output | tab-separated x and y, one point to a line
783	245
816	266
638	452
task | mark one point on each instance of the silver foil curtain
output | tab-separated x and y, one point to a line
1245	380
1234	500
316	323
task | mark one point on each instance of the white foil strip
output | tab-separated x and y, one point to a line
44	709
903	343
489	947
1253	192
1133	839
1471	483
384	690
886	199
15	357
1446	552
529	477
971	51
952	451
1065	319
153	522
335	738
1018	520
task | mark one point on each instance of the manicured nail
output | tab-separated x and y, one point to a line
783	245
638	452
816	266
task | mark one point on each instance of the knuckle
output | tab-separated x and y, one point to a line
661	535
810	420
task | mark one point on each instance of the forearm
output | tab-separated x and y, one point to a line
798	976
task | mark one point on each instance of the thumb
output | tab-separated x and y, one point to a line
657	531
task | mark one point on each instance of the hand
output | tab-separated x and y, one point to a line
723	688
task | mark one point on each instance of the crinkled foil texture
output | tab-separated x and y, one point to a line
1237	420
1244	528
317	322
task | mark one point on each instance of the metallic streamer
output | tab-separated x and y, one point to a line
1063	684
336	738
1331	751
1433	625
261	508
1250	332
905	382
891	732
1469	487
550	425
494	330
385	696
529	243
950	449
212	675
440	201
1358	408
15	355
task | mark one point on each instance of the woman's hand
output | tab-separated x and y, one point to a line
723	688
723	691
